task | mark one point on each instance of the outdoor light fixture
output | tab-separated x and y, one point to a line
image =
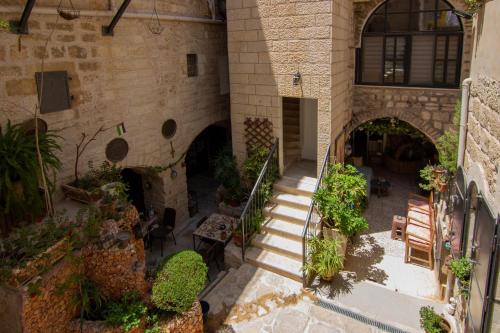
173	173
348	149
461	13
296	78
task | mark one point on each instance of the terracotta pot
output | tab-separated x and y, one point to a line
237	239
442	187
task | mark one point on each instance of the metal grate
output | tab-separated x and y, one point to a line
192	65
359	317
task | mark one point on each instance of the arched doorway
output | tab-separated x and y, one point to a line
199	167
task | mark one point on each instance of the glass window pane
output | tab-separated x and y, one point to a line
389	48
452	47
397	22
388	71
373	48
399	72
421	60
438	71
423	21
448	21
398	6
375	24
440	47
451	72
400	48
423	5
380	10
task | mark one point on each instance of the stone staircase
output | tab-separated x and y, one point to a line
278	247
291	130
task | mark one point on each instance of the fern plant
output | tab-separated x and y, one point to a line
20	171
324	258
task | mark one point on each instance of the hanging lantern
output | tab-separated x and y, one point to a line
154	24
68	13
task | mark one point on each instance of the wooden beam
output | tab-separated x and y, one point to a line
109	30
22	25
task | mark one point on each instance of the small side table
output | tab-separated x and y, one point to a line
398	227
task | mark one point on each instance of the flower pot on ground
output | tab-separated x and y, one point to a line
433	178
432	322
237	238
324	258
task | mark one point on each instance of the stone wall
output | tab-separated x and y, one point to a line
482	158
428	110
190	321
134	77
268	42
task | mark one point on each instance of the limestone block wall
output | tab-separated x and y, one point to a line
134	77
268	41
429	110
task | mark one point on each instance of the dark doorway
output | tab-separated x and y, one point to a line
135	190
200	171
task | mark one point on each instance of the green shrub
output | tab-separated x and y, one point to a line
226	172
430	321
324	258
127	313
253	164
462	268
341	198
180	279
447	144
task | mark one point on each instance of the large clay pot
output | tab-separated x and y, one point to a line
237	239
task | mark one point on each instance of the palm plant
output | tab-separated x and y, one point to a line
20	172
324	258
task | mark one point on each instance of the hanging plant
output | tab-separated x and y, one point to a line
154	25
473	5
391	127
68	13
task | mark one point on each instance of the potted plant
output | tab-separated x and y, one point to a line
340	201
434	177
324	258
462	268
227	174
431	322
20	172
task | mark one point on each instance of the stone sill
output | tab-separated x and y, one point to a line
451	90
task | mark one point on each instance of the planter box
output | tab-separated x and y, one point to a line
79	194
99	326
35	267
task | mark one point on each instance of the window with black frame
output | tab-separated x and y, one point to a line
411	43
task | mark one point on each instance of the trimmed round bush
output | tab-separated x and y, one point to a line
180	279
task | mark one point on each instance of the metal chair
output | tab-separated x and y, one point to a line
165	228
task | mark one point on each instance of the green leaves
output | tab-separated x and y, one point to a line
324	258
447	144
462	269
430	321
340	199
179	281
127	313
20	170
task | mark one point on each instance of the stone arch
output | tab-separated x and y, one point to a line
363	11
423	126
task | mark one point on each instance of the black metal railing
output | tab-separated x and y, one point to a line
252	217
312	225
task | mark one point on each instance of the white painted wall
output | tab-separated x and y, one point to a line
309	128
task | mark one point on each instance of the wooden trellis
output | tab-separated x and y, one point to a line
258	133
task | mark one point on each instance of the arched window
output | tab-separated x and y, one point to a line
413	43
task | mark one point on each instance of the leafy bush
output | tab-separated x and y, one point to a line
340	199
20	171
97	177
430	321
432	176
447	144
462	269
253	164
324	258
226	173
180	279
127	313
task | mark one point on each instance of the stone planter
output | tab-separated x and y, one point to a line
81	195
190	321
99	326
37	265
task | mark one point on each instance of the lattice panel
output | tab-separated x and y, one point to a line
258	133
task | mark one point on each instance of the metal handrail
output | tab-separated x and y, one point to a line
256	200
306	235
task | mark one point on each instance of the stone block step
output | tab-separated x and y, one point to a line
288	267
291	137
290	128
292	200
282	245
292	144
303	186
284	229
286	213
291	120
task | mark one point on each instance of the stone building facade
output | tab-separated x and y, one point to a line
134	77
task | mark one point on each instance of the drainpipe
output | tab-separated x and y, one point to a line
463	120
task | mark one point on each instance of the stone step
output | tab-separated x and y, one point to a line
290	128
284	229
292	144
304	186
282	265
292	200
282	245
292	137
286	213
291	120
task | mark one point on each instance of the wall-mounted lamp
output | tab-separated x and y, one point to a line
462	14
173	173
296	78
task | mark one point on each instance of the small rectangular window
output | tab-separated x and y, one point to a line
192	65
55	94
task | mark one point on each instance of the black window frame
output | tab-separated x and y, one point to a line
409	34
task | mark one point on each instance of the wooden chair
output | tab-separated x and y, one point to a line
420	236
419	202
